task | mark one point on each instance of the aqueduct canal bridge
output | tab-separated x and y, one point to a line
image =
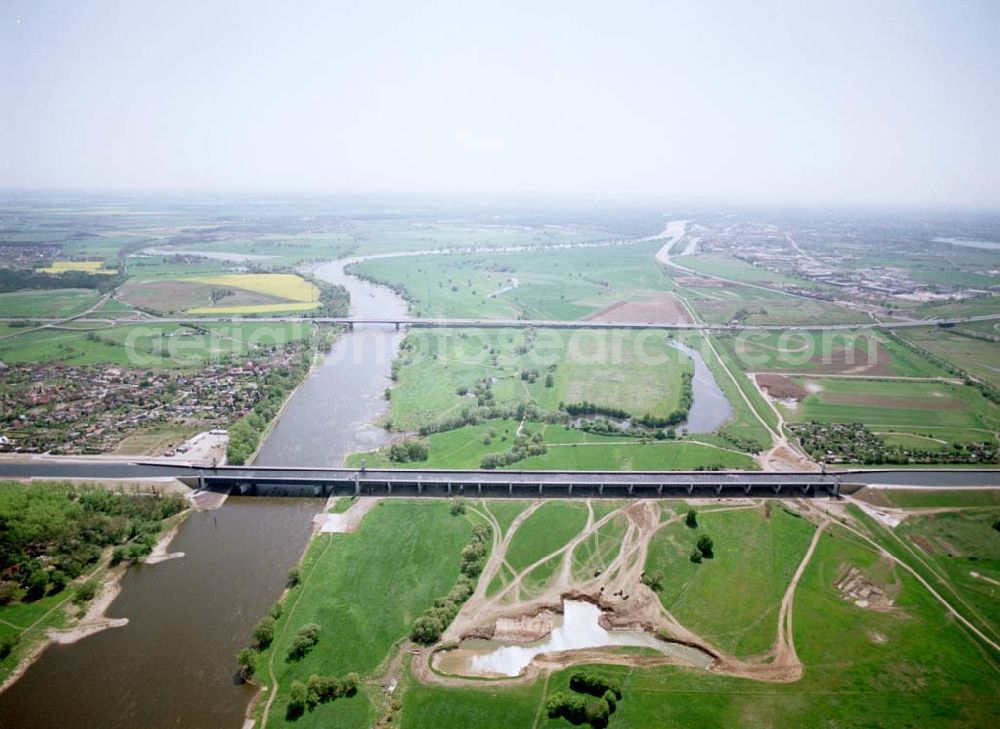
522	484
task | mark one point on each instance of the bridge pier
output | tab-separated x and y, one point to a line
571	489
201	481
600	489
539	489
718	489
659	490
357	485
510	488
389	485
479	488
630	486
777	488
449	488
746	489
690	488
420	487
397	326
350	326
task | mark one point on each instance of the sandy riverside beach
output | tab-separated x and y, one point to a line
94	620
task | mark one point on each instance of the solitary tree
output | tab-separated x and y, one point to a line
691	519
297	695
247	659
705	545
695	556
263	634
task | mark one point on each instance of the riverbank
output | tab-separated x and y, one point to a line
60	627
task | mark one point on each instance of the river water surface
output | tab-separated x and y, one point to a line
173	665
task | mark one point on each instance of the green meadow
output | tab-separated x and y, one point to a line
559	284
630	370
568	449
940	409
47	303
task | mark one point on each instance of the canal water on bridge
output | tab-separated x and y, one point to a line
174	664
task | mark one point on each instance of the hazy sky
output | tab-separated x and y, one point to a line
798	101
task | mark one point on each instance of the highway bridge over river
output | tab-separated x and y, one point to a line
520	484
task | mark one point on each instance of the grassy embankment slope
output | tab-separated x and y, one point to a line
364	590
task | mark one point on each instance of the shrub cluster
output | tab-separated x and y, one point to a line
319	690
478	415
427	629
50	534
599	699
525	446
407	451
306	637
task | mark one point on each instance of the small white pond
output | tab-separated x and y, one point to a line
578	629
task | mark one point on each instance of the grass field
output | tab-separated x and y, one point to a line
47	303
956	413
634	371
907	667
714	303
153	441
147	345
732	599
546	530
969	307
557	284
364	590
930	498
840	351
568	449
976	356
963	546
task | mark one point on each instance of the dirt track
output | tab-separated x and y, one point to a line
618	590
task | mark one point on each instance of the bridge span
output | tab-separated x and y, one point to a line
516	484
294	481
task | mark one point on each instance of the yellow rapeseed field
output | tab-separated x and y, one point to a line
87	266
301	294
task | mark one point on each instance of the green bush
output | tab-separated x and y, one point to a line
263	634
297	696
7	644
306	637
247	659
86	591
